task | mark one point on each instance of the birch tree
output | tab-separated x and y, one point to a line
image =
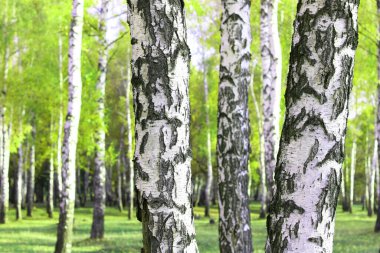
18	176
377	125
5	134
160	79
352	175
97	229
302	213
67	201
233	128
271	71
31	172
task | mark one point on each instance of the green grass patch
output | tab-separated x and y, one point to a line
354	232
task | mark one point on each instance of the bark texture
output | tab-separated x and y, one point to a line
302	213
271	70
67	202
97	229
160	79
233	128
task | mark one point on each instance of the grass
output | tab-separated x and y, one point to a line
354	233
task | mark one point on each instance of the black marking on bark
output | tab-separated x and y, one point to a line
317	240
143	143
312	154
336	153
140	172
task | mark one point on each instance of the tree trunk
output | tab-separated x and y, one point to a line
302	213
233	128
352	176
78	192
119	166
18	182
5	132
66	215
263	186
86	183
129	147
97	229
160	64
271	71
209	178
31	172
50	196
60	122
5	135
377	125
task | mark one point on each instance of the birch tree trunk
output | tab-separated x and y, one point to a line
352	175
97	229
160	78
120	164
302	213
60	121
209	157
5	132
67	203
128	147
18	182
271	69
31	172
50	196
263	185
377	125
233	128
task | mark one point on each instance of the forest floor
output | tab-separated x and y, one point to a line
354	232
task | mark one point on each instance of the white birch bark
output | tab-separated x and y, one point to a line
129	148
67	202
60	121
160	79
308	171
31	172
97	230
50	195
18	182
377	125
209	178
233	128
271	71
352	175
263	185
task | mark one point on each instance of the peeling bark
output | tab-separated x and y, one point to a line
67	202
97	229
271	70
160	79
233	128
302	213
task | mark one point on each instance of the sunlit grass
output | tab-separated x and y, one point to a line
354	232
